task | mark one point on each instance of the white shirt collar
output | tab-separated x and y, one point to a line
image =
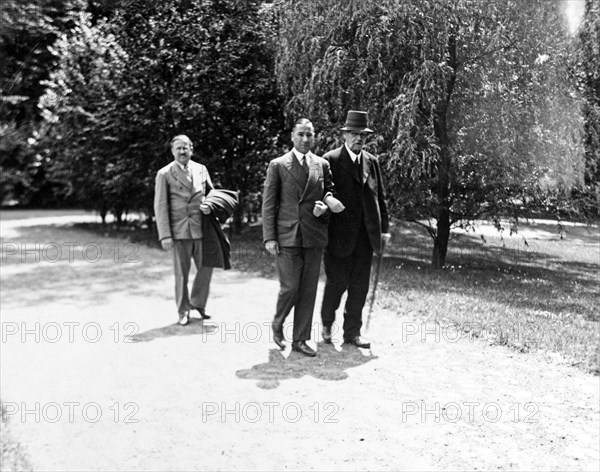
299	155
183	168
352	155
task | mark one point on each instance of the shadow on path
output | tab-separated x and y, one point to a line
195	326
330	364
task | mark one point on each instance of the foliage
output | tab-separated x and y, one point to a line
124	88
27	29
468	99
78	105
203	69
587	71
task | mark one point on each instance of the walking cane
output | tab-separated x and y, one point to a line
377	270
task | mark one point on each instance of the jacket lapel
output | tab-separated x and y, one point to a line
178	174
198	177
365	166
313	175
294	170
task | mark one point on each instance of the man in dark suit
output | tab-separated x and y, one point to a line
296	198
178	203
355	233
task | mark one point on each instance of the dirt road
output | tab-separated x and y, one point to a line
96	376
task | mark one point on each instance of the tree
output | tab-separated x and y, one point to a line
78	108
587	71
465	96
123	88
203	68
28	29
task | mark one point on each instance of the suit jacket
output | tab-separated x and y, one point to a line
364	200
287	208
177	201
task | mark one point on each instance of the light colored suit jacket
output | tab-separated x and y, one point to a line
287	208
177	201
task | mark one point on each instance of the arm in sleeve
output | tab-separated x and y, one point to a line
270	203
328	180
329	187
161	206
381	198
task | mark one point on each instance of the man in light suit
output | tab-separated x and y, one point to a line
355	233
178	195
297	197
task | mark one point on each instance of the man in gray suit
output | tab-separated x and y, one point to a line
296	199
178	195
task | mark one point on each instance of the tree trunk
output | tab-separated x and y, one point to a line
103	213
440	245
119	216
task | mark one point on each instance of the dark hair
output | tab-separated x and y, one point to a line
301	121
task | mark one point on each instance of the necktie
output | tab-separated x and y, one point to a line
304	164
358	167
188	172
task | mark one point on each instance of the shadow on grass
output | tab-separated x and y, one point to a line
518	278
539	294
330	364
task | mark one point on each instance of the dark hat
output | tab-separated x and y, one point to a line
357	121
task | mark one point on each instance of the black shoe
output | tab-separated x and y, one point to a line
326	334
358	342
301	346
278	336
202	313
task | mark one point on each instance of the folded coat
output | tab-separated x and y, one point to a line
216	248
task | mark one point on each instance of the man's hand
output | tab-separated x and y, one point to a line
385	238
334	204
167	244
204	208
272	247
319	209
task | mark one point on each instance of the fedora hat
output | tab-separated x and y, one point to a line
357	121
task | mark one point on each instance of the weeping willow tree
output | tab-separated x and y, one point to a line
587	70
471	102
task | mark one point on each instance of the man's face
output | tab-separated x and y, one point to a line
355	140
303	137
182	150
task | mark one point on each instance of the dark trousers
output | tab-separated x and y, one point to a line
350	273
298	269
184	250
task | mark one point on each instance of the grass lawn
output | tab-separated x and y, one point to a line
534	291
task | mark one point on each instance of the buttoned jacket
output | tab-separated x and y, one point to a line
177	200
363	195
289	199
